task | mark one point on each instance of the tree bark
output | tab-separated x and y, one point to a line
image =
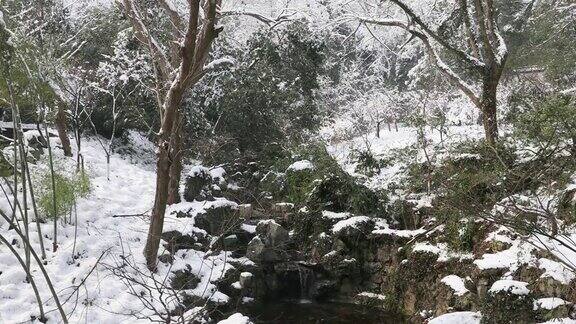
60	123
163	165
488	107
176	166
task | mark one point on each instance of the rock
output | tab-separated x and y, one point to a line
552	308
353	229
231	242
246	280
255	249
269	246
196	181
184	279
274	235
371	299
246	211
282	208
218	218
177	241
508	301
323	289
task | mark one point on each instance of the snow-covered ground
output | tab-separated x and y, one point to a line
389	141
91	293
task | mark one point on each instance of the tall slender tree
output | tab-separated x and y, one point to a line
176	70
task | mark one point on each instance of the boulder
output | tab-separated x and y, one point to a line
508	301
184	279
197	181
274	235
218	218
269	246
178	241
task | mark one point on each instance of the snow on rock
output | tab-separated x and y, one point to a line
560	247
556	271
549	303
518	254
440	249
236	319
560	321
353	222
218	173
382	228
301	165
458	318
370	295
198	170
456	283
334	215
514	287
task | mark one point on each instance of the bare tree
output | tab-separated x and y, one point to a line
181	69
485	52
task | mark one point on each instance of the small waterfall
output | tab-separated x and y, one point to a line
304	275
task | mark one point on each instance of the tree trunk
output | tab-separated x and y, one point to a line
163	165
488	107
176	166
377	129
62	132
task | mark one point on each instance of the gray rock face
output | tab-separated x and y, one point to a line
255	249
274	235
269	246
218	219
195	183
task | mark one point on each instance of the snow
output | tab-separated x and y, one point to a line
458	318
248	228
105	298
518	254
441	249
556	271
198	170
385	146
372	295
334	215
350	222
514	287
549	303
560	321
301	165
456	283
218	173
236	319
399	233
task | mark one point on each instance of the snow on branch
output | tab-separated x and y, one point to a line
272	22
227	60
433	55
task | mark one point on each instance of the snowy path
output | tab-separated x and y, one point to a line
129	191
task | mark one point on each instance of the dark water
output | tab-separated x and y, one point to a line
289	312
